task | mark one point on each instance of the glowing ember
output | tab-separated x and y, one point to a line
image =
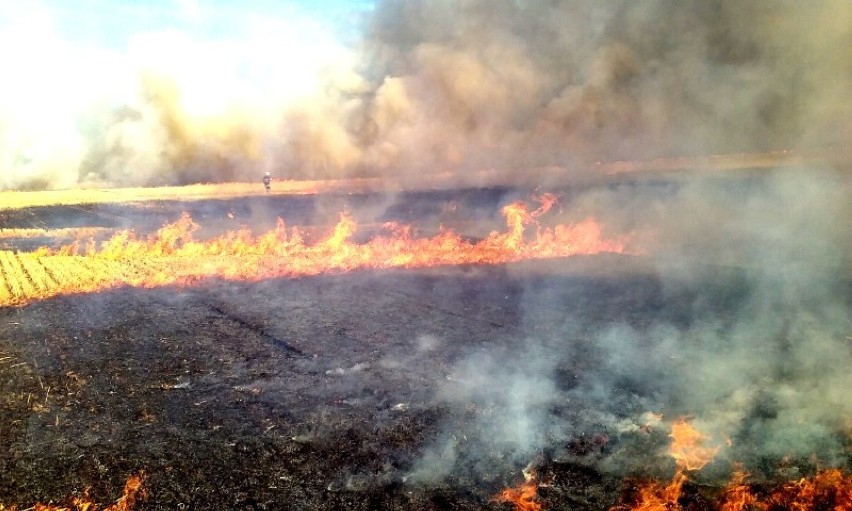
133	493
172	257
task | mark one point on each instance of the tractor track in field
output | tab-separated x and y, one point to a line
290	351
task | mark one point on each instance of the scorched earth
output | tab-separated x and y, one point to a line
403	386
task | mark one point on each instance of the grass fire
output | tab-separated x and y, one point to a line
237	364
172	257
466	255
133	493
826	489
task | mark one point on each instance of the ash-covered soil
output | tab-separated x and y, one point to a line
405	389
317	393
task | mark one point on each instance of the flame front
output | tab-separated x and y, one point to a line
828	489
133	493
738	495
173	257
657	497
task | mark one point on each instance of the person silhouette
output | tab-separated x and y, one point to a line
267	181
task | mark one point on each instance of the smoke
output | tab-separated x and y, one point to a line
741	324
751	332
466	86
753	336
507	415
770	371
167	94
515	85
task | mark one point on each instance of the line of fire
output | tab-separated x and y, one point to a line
369	360
454	255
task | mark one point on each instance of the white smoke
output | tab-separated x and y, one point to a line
430	87
175	100
736	316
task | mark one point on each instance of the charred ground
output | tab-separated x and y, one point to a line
330	392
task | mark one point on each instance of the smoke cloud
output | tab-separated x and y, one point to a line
752	337
188	94
741	324
451	86
513	85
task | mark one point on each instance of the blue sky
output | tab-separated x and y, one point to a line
110	23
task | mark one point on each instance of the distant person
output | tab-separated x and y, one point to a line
267	181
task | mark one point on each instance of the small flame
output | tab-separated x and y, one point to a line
656	497
738	495
133	494
689	455
524	496
828	489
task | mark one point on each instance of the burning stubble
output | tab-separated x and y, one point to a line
172	256
748	332
747	325
750	339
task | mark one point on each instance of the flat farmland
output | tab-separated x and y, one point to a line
392	388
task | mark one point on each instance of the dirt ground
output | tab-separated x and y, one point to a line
310	392
333	392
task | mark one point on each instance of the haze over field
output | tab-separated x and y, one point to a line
174	92
746	327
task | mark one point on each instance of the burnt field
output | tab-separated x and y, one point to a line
416	389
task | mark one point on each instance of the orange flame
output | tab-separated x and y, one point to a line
523	496
687	448
828	489
656	497
173	257
133	493
738	495
689	454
